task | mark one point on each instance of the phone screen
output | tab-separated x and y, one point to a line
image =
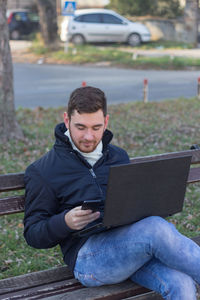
91	204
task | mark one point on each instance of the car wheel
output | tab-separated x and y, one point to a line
15	35
134	39
78	39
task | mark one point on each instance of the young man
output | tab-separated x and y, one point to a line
150	252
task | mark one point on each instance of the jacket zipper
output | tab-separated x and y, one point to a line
95	178
80	157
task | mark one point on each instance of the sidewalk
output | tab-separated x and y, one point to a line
20	53
193	53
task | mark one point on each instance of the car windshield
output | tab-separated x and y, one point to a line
26	16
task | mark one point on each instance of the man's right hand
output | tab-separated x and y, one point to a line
77	218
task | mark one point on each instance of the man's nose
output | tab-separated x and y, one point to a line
89	135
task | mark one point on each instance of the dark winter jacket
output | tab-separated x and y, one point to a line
59	181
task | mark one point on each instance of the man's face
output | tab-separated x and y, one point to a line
86	129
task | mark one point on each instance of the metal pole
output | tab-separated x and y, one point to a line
198	88
66	47
145	90
66	44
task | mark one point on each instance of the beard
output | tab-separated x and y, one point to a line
84	145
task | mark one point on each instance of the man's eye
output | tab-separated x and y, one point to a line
96	128
80	128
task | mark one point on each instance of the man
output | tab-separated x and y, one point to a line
150	252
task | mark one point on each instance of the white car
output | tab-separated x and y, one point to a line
103	25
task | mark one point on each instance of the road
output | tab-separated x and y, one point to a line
50	85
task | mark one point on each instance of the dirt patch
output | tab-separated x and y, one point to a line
24	57
20	52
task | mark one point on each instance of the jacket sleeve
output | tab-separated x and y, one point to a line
44	225
126	159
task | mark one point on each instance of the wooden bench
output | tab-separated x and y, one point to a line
59	283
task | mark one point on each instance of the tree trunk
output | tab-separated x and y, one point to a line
191	14
8	124
48	22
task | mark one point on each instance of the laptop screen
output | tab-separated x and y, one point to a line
142	189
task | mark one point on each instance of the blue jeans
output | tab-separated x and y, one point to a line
150	252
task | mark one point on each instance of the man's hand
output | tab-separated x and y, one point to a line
77	218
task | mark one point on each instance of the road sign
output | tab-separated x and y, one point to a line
69	8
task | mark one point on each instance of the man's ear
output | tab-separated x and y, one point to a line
66	120
106	121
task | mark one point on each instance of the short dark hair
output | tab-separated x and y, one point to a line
87	100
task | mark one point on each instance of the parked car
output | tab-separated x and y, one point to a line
103	25
21	22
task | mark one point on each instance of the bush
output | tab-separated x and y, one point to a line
162	8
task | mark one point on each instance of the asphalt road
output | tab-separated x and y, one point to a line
50	85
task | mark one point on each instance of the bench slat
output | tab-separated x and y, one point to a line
33	279
149	296
72	290
195	156
194	175
196	239
11	182
122	290
15	181
11	205
15	204
47	290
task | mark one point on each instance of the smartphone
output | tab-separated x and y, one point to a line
91	204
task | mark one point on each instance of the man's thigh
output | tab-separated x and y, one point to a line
112	256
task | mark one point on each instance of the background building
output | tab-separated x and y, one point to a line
12	4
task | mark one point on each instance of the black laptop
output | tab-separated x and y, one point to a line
142	189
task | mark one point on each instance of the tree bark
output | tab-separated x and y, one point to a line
9	127
191	14
48	22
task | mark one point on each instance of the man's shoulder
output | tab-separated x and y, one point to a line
118	151
50	163
43	162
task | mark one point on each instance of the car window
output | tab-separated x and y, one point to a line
33	17
110	19
91	18
21	16
78	19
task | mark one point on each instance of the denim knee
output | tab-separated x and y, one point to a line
158	222
180	287
157	228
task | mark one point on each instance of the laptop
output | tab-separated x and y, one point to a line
141	189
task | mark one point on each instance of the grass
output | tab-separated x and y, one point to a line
118	55
142	129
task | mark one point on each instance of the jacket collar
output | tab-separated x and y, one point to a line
61	138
